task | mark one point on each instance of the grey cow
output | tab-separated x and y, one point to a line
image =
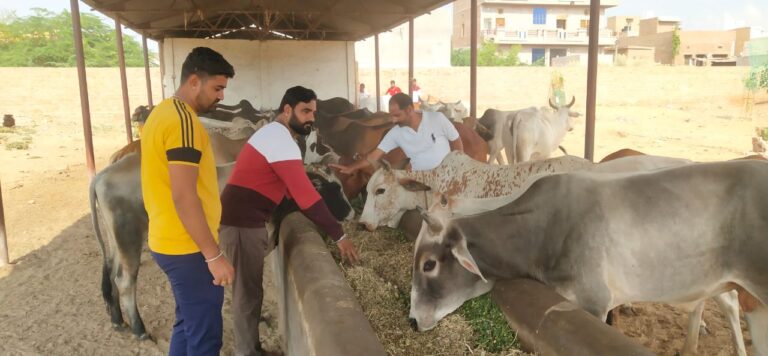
675	236
115	197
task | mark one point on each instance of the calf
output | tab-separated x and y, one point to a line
613	242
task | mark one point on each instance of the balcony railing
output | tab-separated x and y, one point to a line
544	35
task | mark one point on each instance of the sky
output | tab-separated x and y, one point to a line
695	14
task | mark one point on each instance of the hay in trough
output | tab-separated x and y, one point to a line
382	285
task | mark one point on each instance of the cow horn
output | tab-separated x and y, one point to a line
573	101
551	104
434	225
384	164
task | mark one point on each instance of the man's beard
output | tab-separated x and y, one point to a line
299	128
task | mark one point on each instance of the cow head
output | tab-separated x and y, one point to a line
445	274
390	194
329	187
564	112
315	148
454	111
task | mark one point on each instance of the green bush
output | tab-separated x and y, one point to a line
757	78
16	145
44	39
488	55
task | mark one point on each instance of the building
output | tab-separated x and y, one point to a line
432	45
544	29
695	47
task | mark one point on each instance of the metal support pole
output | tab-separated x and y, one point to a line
410	57
378	74
123	80
473	61
84	104
146	71
4	261
160	45
594	38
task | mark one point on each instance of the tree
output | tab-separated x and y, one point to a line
676	42
487	56
44	39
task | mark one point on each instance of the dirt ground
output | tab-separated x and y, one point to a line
50	301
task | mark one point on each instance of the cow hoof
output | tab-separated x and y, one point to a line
120	327
145	337
703	330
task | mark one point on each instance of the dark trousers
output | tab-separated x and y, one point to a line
246	248
198	326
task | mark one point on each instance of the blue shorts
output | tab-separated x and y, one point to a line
198	326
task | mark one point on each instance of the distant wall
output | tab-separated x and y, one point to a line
265	69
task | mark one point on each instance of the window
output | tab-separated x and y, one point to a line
462	30
500	22
501	11
536	54
539	16
584	23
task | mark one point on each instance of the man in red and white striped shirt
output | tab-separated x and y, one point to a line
268	169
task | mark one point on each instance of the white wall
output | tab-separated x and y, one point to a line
265	69
432	43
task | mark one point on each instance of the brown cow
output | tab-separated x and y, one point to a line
353	139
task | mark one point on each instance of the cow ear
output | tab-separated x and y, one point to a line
383	163
413	185
402	164
434	224
462	254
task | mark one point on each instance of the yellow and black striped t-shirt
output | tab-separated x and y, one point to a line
173	134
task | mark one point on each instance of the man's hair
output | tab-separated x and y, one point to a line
205	62
391	82
402	100
295	95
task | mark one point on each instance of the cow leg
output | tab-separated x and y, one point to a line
729	304
126	283
510	157
129	251
694	321
757	320
111	295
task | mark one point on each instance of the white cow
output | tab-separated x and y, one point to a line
535	134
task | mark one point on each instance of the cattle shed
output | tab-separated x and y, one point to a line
274	44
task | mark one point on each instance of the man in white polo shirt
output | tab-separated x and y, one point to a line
425	137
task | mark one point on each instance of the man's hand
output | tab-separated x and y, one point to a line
222	271
348	251
342	169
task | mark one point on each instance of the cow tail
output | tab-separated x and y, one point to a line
515	129
106	283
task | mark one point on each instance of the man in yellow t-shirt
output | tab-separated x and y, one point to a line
181	196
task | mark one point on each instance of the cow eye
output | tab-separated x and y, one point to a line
429	265
380	191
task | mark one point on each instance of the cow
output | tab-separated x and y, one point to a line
536	134
115	197
493	127
454	111
392	192
675	235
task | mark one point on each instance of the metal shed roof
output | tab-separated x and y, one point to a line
347	20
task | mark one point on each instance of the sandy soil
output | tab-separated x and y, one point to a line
50	300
